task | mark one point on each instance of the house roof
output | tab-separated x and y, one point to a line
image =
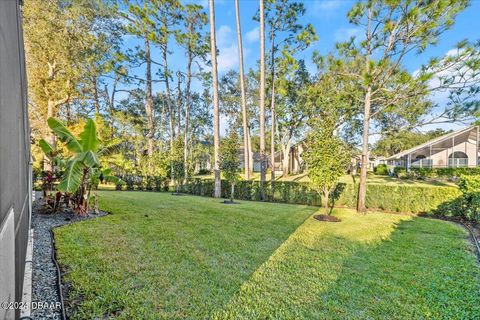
431	142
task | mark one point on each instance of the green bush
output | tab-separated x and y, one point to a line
119	184
467	204
444	173
381	170
401	198
400	172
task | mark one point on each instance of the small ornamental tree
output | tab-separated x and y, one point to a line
326	158
177	164
229	161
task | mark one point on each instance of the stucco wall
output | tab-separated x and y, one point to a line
440	158
14	151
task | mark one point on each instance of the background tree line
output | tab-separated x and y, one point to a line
79	68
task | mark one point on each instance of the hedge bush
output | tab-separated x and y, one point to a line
466	206
381	169
439	173
408	199
140	183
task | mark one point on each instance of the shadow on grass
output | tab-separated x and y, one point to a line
374	267
159	256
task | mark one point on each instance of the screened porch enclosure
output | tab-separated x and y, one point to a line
458	149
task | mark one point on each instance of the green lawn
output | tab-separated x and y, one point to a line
184	257
372	179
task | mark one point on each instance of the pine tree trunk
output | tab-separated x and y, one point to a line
179	103
262	103
250	153
149	100
272	111
272	138
169	97
246	151
187	105
216	117
362	188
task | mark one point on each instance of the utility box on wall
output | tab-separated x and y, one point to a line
15	187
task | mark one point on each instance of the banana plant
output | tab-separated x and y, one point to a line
49	177
86	152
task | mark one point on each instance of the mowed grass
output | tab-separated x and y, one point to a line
372	179
159	256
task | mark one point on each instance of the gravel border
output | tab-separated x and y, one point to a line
44	277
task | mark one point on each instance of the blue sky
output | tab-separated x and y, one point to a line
329	19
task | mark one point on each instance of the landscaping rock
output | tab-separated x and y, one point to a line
44	277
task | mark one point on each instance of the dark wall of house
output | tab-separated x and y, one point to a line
14	137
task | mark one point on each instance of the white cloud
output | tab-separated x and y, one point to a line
327	4
326	8
252	35
344	34
228	49
224	35
227	58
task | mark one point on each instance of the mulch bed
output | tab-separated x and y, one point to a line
324	217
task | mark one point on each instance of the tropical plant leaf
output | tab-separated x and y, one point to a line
88	138
46	148
90	159
115	148
72	176
65	135
107	172
112	179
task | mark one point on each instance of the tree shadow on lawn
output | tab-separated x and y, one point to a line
158	256
374	266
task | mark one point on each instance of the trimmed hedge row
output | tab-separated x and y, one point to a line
467	206
408	199
148	183
439	173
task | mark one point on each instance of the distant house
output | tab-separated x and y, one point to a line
205	162
296	164
456	149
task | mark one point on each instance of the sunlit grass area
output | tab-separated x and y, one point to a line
178	257
372	179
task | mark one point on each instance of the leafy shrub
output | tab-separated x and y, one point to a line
403	198
119	185
470	187
444	173
400	172
381	170
161	183
148	183
204	172
467	205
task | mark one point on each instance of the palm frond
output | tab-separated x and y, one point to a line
64	135
115	148
88	137
46	148
72	177
90	159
